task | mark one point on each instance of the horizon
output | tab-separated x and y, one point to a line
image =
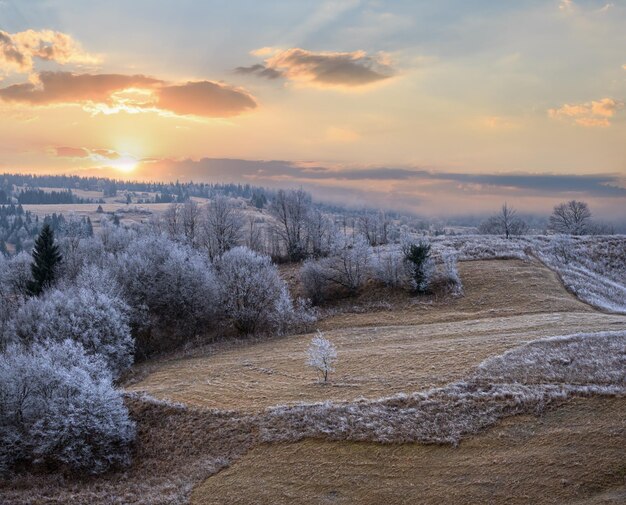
437	110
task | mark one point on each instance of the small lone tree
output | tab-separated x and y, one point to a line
420	265
46	257
322	355
505	223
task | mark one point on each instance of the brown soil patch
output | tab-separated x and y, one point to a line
573	454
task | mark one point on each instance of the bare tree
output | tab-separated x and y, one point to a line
223	225
190	217
320	233
505	223
374	227
571	217
291	210
253	235
171	217
347	267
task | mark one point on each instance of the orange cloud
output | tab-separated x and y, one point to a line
17	50
596	113
324	69
204	98
66	87
110	93
71	152
106	153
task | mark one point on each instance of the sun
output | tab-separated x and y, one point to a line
125	164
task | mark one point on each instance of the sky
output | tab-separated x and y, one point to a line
439	108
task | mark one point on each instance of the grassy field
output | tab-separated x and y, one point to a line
212	452
404	348
572	455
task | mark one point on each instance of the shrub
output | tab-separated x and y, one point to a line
96	320
58	408
314	281
346	269
391	269
171	290
446	279
252	294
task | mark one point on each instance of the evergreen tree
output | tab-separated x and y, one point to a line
46	257
418	257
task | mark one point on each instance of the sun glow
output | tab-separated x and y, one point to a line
125	164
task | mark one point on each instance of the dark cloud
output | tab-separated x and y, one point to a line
201	98
259	70
215	169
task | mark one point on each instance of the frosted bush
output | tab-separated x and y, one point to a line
252	294
58	408
314	281
291	316
347	268
390	269
96	320
171	289
446	279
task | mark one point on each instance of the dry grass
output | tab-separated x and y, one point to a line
176	448
410	348
573	454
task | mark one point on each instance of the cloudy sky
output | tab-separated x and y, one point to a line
442	107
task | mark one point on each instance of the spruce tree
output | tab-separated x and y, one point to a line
46	257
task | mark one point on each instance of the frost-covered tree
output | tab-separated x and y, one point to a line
171	290
46	258
506	223
96	320
320	232
390	268
58	407
291	210
321	355
252	294
15	276
190	220
346	268
222	226
572	218
314	281
375	227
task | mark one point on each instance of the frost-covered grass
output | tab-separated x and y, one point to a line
179	446
522	381
592	267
